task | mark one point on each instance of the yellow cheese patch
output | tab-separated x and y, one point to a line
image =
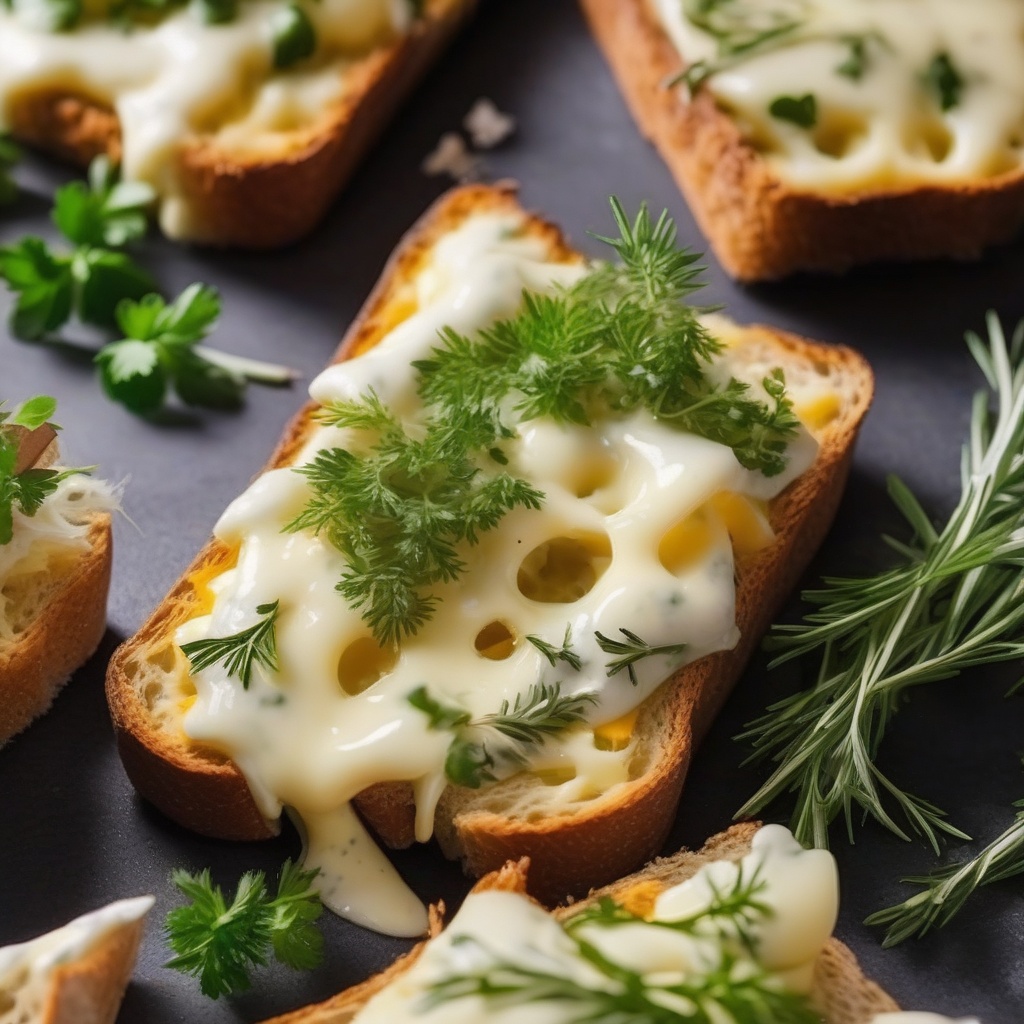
616	734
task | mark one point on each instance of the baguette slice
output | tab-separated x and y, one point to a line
76	974
256	198
572	848
841	992
759	226
59	616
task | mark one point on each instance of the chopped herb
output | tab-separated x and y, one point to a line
556	654
294	37
256	645
631	650
799	110
220	944
944	81
856	61
740	26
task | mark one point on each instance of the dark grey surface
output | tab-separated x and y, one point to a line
74	835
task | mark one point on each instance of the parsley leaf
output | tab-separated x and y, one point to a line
105	211
158	352
219	944
44	284
799	110
256	645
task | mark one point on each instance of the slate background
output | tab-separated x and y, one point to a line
72	833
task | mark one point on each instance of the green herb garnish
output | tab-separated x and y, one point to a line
856	61
256	645
28	489
631	650
10	154
944	81
954	600
293	35
556	654
799	110
523	724
220	944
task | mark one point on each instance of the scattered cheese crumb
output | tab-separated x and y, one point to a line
451	156
487	125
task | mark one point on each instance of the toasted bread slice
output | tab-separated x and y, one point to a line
252	194
76	974
573	845
841	992
53	612
761	227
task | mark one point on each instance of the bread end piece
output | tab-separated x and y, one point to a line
64	635
759	227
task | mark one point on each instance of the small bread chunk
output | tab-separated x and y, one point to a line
76	974
759	226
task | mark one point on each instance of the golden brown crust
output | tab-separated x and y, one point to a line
89	990
841	993
290	189
759	227
610	835
60	639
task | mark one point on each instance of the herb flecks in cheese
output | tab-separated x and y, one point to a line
244	81
633	533
905	91
737	941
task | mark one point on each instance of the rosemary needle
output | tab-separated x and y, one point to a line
955	600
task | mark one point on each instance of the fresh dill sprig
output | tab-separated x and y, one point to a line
220	944
732	989
556	654
734	911
523	724
255	645
397	510
948	889
955	600
631	650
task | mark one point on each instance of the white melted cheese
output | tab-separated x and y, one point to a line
885	128
180	78
27	968
309	739
919	1017
800	887
59	526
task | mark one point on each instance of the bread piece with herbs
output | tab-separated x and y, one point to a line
532	490
55	556
246	118
810	136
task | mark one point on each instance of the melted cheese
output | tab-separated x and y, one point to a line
886	127
800	887
26	969
179	78
325	727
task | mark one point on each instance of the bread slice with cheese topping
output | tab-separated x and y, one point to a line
578	831
54	578
76	974
839	990
891	141
240	152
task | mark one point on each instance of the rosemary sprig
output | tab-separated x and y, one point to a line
631	650
947	890
256	645
955	600
556	654
521	725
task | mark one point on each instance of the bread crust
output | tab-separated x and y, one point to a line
610	835
290	188
60	639
841	992
760	227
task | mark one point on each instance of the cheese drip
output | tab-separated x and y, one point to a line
180	78
800	887
884	126
336	718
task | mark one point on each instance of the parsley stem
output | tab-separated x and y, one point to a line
251	369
